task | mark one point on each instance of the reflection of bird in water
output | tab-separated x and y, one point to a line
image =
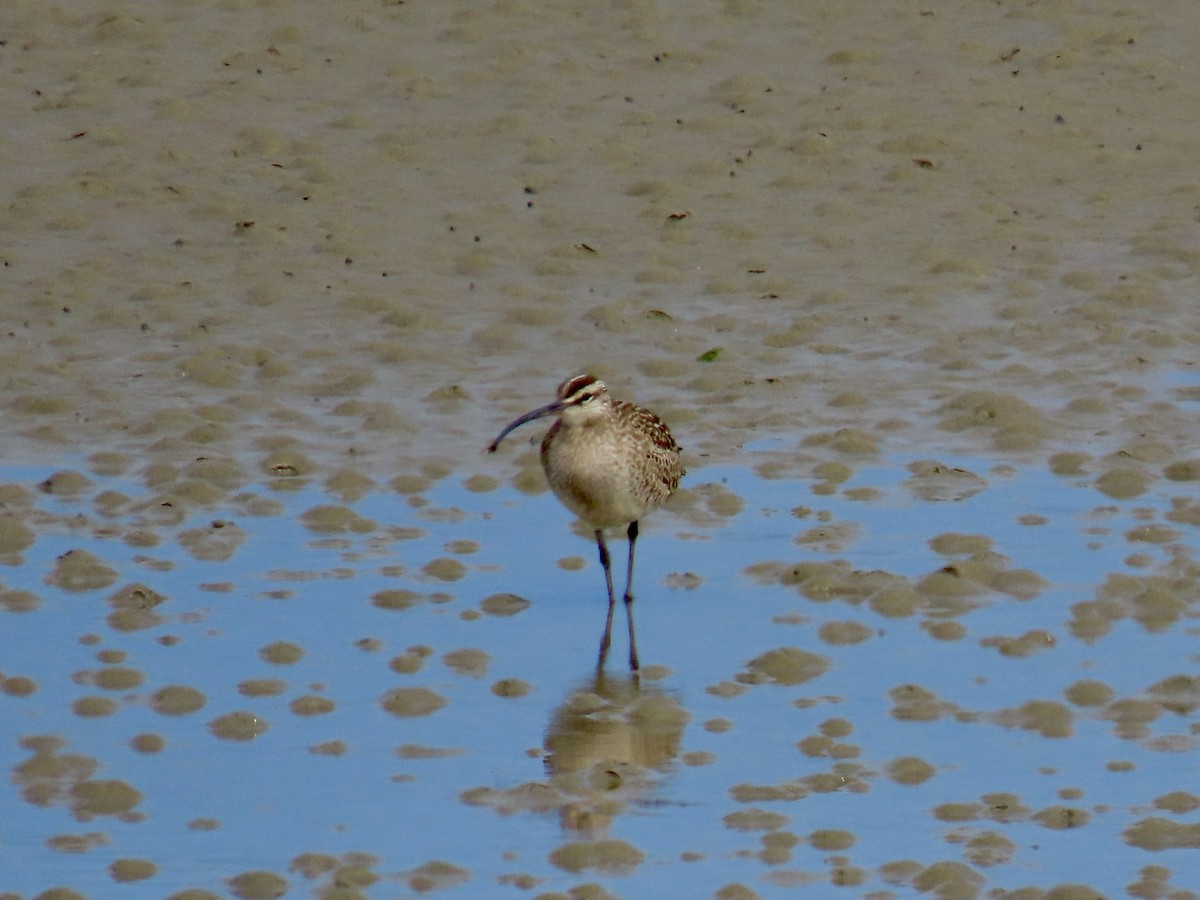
610	462
605	746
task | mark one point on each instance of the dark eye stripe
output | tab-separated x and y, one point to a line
581	388
574	385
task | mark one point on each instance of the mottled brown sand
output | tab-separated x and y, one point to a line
344	243
327	238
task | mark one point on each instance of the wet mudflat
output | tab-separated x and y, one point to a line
914	287
942	676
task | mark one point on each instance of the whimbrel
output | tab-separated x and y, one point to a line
610	462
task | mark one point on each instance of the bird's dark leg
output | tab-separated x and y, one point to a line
633	533
606	564
633	654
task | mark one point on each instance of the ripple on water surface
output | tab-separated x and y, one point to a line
991	656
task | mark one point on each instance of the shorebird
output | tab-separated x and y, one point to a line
610	462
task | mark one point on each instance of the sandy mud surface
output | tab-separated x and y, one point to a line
915	287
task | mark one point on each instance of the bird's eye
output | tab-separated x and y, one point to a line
586	398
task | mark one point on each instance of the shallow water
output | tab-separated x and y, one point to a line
920	731
914	287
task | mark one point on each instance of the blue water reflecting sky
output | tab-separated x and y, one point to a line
275	799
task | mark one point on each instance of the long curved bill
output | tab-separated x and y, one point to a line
548	410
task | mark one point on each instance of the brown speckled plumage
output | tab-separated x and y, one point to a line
608	461
612	469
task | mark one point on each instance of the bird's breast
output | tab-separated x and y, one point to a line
605	477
